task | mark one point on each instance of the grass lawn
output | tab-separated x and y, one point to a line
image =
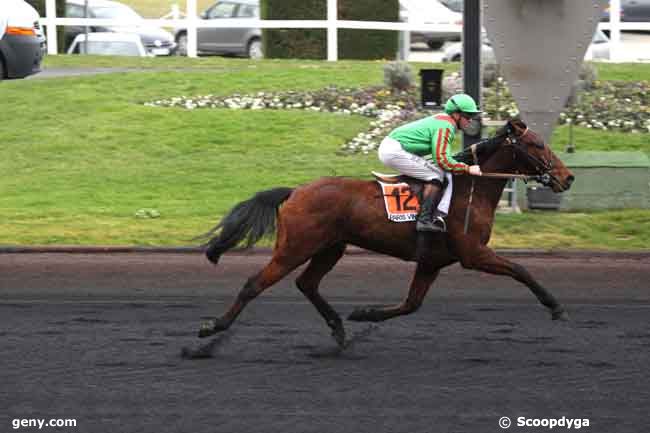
82	154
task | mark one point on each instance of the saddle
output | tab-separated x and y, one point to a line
398	178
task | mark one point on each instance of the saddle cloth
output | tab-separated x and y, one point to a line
402	196
402	203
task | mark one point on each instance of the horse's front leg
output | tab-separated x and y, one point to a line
422	280
485	260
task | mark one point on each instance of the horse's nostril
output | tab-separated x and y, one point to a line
570	180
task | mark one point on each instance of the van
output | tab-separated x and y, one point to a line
22	43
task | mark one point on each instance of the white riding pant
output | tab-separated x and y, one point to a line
394	156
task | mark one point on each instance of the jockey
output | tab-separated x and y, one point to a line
421	149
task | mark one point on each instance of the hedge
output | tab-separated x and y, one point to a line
312	43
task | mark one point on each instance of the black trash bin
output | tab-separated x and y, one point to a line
543	197
431	86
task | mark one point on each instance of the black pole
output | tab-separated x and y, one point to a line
472	56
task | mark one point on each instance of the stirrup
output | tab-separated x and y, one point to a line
440	222
437	224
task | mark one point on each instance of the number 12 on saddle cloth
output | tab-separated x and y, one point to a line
401	204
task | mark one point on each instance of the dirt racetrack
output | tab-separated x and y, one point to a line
98	337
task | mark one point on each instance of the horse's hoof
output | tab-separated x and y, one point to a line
339	336
211	327
206	330
359	315
560	314
366	315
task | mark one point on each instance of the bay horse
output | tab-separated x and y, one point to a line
316	221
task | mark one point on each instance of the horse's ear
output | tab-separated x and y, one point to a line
516	123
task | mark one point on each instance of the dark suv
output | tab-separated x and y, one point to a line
632	11
222	40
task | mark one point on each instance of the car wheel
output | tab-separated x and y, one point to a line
181	45
456	58
255	51
435	45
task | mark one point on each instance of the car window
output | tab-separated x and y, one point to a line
599	37
248	11
222	10
74	11
454	5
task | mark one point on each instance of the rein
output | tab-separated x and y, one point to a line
525	177
471	190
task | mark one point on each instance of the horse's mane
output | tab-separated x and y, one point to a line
484	148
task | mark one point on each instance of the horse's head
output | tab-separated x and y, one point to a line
533	157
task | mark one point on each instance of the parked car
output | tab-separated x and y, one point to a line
224	40
109	44
454	5
453	52
632	11
435	13
22	44
156	40
597	50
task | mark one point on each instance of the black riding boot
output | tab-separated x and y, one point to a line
429	222
429	219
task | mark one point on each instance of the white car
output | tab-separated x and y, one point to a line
109	44
598	50
22	43
447	25
156	40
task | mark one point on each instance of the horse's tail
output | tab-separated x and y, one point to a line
249	220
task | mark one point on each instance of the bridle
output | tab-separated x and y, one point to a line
540	165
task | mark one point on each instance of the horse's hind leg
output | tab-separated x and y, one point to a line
308	283
273	272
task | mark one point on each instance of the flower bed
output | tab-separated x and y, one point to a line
389	109
611	105
607	105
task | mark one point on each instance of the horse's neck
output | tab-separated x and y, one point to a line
486	191
489	191
500	161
